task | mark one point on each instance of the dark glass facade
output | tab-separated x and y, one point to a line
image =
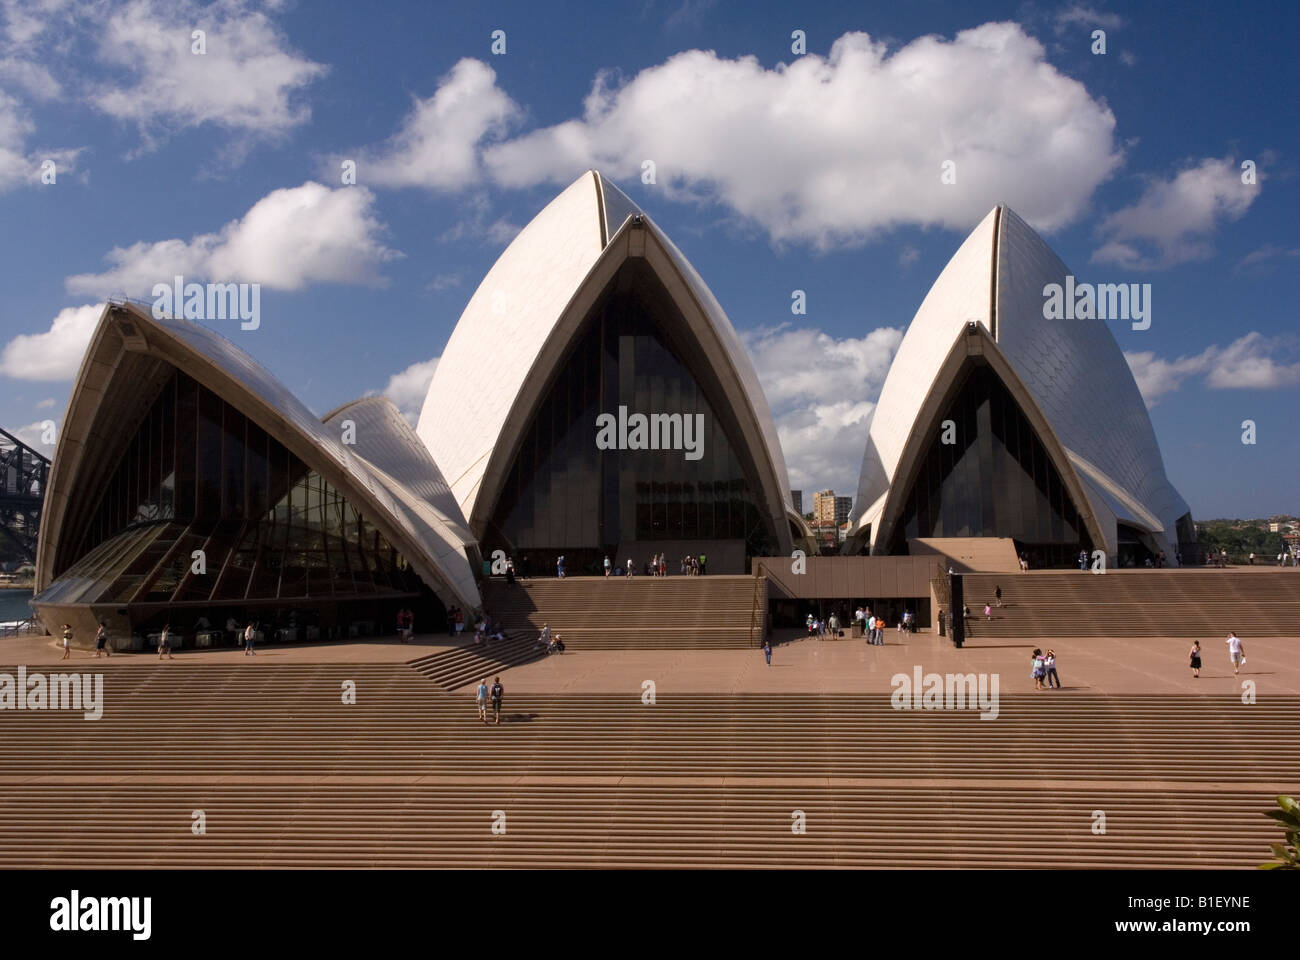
996	480
199	475
564	495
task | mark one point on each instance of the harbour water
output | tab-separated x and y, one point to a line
15	604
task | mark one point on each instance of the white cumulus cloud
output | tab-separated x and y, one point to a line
1082	15
1173	220
20	161
1251	362
290	238
439	144
821	390
408	388
835	149
55	354
248	80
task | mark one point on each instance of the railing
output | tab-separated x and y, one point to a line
754	609
22	628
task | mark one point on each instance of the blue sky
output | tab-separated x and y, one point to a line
774	172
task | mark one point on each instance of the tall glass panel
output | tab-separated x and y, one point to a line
996	480
270	527
564	495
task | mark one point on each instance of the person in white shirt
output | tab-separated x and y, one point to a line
1236	652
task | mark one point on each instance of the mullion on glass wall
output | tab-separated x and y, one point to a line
167	465
591	487
233	441
156	470
255	471
987	524
208	443
186	447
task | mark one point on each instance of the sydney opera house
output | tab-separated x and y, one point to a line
187	479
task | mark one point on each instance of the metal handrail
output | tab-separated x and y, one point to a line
753	612
23	628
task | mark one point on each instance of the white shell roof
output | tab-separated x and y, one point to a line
438	540
511	316
1074	370
398	459
436	549
502	330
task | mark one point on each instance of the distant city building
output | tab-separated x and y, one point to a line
829	509
824	507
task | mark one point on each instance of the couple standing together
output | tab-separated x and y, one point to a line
496	693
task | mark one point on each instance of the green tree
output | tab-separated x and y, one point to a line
1288	854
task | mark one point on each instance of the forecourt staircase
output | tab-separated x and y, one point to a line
644	613
289	776
1137	603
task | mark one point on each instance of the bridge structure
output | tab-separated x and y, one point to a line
23	475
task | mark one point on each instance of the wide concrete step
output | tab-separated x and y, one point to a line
288	775
469	663
203	719
650	825
599	613
1145	603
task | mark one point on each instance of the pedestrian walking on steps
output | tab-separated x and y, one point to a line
67	641
101	640
250	634
1195	654
988	611
1236	652
607	567
165	642
997	595
481	699
498	692
1039	670
1083	560
767	651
